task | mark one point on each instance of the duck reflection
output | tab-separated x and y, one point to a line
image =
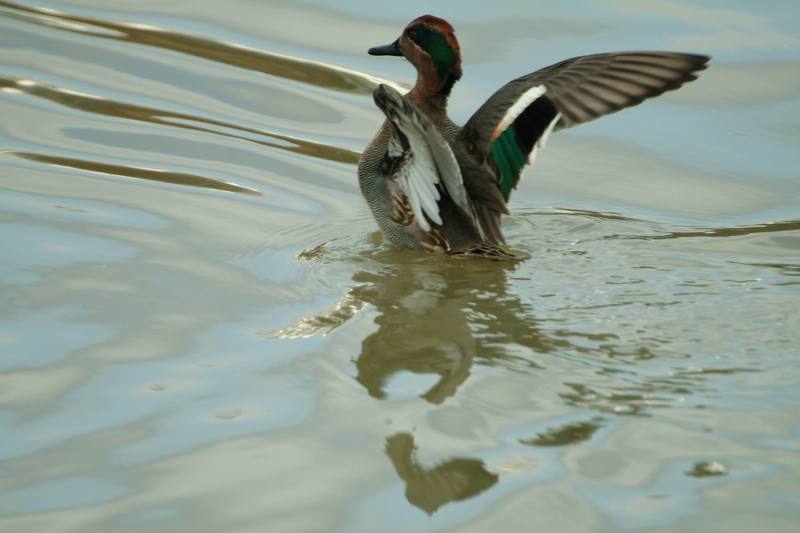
435	315
430	488
422	328
440	316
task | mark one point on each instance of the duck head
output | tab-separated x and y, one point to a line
430	44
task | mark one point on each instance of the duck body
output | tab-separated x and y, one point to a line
435	186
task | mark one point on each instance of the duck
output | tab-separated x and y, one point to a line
435	186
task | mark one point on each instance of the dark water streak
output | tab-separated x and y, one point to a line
303	71
176	178
101	106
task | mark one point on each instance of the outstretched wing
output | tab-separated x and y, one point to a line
587	87
424	159
515	122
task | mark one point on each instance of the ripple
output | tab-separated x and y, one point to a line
708	469
564	435
735	231
152	174
239	340
101	106
291	68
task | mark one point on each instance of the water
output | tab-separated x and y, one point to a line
201	329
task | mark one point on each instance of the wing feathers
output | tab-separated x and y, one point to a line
518	107
588	87
427	164
579	90
515	141
421	191
584	88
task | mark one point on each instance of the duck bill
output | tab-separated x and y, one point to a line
386	50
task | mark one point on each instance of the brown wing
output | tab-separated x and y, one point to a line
587	87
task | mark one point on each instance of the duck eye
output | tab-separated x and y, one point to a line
417	36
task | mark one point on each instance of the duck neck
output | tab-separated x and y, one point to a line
431	90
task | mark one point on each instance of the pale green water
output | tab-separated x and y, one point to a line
202	331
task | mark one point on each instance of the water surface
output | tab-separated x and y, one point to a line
202	330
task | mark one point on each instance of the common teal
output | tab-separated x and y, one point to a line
433	185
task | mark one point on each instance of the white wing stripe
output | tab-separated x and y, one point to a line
422	193
540	142
519	106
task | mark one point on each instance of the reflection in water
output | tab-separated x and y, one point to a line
568	434
435	315
707	469
440	316
433	318
430	488
786	269
736	231
164	176
691	338
111	108
302	70
632	399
